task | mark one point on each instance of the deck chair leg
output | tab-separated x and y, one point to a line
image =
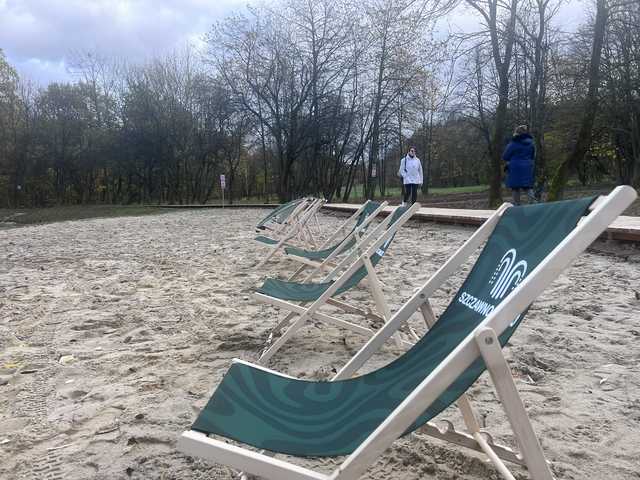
427	312
468	415
318	229
303	238
297	272
463	403
501	375
348	308
308	237
378	296
270	254
283	323
297	325
325	266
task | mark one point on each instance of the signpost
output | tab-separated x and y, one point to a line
223	184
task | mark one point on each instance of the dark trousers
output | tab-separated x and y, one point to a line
410	189
515	195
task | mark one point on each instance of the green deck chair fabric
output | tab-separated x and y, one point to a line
310	418
308	292
369	208
279	214
267	240
316	254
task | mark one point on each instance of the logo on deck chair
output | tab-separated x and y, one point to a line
383	248
507	275
505	278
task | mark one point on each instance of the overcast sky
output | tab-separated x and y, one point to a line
37	35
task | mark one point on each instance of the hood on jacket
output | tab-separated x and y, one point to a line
524	138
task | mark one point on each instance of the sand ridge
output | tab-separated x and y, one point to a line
114	332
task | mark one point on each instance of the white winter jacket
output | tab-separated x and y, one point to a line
410	170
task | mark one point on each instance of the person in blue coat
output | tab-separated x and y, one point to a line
519	157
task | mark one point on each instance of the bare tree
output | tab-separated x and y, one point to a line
583	141
10	117
500	20
534	21
621	89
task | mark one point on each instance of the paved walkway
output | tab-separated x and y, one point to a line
624	228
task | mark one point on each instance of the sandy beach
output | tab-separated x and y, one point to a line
114	332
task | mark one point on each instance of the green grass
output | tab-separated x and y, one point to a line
357	194
255	200
450	190
357	191
31	216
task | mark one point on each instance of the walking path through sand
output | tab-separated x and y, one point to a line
624	228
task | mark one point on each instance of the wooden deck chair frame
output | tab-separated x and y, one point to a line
284	228
277	229
297	231
345	225
329	263
272	225
310	231
482	341
353	261
297	224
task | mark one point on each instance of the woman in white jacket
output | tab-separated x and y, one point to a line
411	174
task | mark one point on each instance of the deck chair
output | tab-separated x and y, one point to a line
279	215
295	233
312	296
356	216
360	417
285	218
324	259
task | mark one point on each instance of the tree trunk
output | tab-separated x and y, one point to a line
573	160
495	159
502	64
426	166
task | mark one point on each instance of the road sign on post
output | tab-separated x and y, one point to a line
223	185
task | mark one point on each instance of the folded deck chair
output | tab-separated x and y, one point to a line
527	248
297	231
325	257
354	267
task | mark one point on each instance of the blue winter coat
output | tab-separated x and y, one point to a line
519	156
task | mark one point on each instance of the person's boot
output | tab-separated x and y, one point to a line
515	196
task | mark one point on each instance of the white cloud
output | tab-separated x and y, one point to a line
38	35
464	19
